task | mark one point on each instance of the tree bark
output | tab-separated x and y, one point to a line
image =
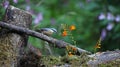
12	44
103	58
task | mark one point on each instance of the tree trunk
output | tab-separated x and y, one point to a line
12	44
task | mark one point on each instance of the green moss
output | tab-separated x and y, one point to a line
50	60
73	61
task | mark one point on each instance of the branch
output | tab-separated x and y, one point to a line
58	43
103	58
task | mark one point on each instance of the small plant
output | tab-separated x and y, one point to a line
98	44
71	50
67	32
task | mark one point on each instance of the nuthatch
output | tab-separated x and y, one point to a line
47	31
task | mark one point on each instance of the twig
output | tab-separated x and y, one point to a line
58	43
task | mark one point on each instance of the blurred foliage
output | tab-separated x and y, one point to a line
84	14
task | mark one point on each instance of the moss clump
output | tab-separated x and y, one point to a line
50	61
73	61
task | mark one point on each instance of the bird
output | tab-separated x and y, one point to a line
48	32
